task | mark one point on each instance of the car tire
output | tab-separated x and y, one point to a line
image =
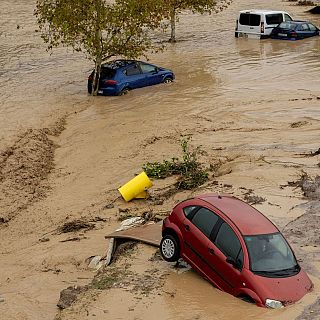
123	91
167	80
169	248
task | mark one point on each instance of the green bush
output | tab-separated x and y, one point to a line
191	174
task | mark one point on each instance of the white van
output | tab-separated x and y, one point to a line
259	23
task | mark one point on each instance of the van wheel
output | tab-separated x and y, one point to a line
169	248
236	34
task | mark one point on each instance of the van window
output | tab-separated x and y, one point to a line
248	19
287	17
274	18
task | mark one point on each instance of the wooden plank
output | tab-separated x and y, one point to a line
148	233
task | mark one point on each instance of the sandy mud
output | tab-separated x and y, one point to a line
252	106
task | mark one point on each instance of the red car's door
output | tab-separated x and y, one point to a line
197	228
226	245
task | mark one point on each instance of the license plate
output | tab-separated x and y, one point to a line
243	35
282	34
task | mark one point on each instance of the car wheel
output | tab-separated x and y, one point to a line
167	80
123	91
169	248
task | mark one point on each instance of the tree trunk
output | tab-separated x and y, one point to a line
173	25
96	76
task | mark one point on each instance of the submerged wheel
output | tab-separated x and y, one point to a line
169	248
123	91
167	80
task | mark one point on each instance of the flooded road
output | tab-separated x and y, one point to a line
252	104
208	61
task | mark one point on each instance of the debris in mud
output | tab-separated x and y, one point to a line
306	3
311	154
251	198
69	296
298	124
75	225
44	239
110	277
156	256
2	299
73	239
124	249
309	186
311	312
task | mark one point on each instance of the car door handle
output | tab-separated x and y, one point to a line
186	226
211	251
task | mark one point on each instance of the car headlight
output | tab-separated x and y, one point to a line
274	304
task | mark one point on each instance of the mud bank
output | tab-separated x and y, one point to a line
24	168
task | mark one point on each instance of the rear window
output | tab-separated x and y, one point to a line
288	25
248	19
274	18
107	73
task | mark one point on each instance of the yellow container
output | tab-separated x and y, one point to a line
136	187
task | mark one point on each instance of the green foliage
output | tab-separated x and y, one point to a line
191	175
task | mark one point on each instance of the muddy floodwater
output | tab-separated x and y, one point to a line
253	106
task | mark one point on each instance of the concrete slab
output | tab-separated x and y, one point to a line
148	233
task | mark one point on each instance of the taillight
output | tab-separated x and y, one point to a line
262	27
110	82
293	34
236	25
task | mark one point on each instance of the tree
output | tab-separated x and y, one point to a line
174	7
99	28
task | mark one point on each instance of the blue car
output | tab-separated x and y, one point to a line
119	76
294	30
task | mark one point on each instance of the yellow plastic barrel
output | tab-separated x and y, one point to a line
136	187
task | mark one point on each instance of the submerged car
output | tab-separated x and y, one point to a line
119	76
236	248
294	30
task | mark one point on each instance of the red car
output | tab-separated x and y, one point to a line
236	248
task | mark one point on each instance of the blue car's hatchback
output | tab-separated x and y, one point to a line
119	76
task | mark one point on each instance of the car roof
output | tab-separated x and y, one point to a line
248	220
257	11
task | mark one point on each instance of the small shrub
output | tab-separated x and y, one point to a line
191	174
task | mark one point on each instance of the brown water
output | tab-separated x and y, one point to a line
236	97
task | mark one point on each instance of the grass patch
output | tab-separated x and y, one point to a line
190	171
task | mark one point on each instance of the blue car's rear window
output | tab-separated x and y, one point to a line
107	73
288	25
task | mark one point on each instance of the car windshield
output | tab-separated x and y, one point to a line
288	25
270	254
